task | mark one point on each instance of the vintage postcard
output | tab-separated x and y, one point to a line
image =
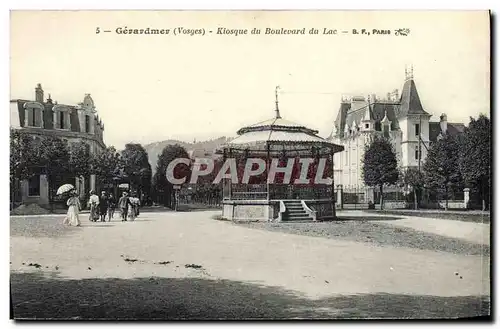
244	165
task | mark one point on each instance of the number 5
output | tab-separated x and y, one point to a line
97	30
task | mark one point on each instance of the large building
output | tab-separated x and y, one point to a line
73	123
399	116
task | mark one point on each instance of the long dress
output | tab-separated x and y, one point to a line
131	210
94	203
73	210
103	207
111	208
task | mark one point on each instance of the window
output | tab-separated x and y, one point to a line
34	185
33	117
417	129
87	123
61	120
367	125
418	153
386	130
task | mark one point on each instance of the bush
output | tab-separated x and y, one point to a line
430	205
474	205
219	217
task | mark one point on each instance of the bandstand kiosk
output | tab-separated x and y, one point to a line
268	201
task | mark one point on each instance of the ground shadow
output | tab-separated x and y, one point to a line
463	215
37	297
155	209
364	218
378	233
198	209
46	226
100	225
141	220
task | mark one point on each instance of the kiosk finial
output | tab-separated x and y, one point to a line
278	116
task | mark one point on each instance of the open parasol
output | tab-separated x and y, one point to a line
64	189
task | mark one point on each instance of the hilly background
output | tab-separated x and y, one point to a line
201	148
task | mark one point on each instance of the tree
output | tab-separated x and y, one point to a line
441	167
21	155
380	166
414	179
475	157
80	159
136	166
162	187
21	159
107	165
53	158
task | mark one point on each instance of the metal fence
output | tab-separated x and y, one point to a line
362	197
400	198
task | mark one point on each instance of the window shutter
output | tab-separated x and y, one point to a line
54	120
67	119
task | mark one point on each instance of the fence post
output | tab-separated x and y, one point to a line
340	197
466	197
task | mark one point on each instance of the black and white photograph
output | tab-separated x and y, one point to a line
247	165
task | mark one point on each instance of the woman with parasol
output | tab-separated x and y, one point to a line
73	205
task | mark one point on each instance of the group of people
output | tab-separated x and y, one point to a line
129	206
102	206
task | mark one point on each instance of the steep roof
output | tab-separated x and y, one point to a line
278	134
451	129
380	108
410	101
375	111
276	124
354	111
341	116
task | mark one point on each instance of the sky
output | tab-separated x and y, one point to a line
150	88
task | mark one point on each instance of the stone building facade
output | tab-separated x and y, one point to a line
73	123
399	116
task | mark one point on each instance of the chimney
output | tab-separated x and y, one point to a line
443	123
39	93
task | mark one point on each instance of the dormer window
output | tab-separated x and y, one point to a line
386	130
61	117
33	115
